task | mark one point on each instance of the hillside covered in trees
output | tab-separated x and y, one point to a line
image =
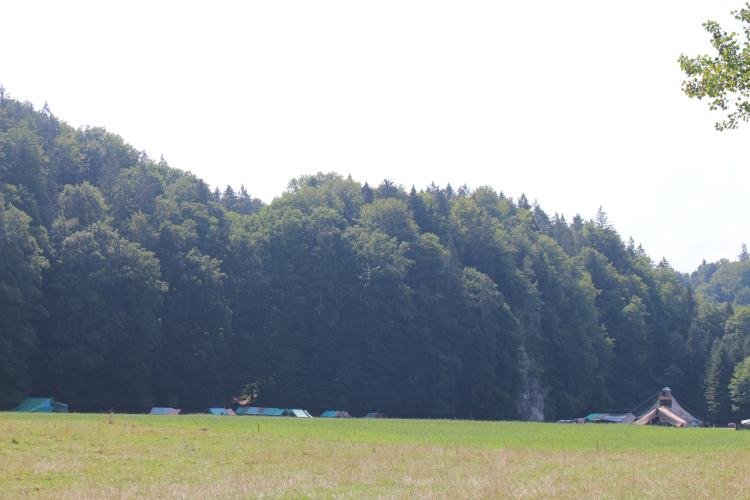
126	283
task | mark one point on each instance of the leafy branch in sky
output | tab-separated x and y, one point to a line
723	78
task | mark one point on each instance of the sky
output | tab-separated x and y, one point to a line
576	104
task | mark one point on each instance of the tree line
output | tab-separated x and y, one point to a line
126	283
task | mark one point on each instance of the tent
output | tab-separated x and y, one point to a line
222	411
663	409
258	411
297	413
335	414
41	405
662	416
375	414
156	410
746	423
612	417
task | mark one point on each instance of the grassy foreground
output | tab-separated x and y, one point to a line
89	456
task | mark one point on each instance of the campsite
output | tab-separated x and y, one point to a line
659	409
282	452
203	456
397	249
264	451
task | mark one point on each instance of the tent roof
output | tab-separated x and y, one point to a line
655	402
335	414
221	411
41	405
664	414
260	411
614	417
296	412
157	410
34	404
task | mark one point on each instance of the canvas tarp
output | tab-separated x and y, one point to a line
610	418
221	411
664	416
335	414
41	405
157	410
258	411
296	412
627	418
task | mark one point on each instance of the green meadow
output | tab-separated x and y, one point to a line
135	456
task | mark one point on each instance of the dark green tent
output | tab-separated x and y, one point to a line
41	405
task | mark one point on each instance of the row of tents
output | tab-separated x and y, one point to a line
242	410
49	405
660	409
260	411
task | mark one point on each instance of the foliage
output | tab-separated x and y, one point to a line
739	387
724	281
98	345
723	79
428	303
21	265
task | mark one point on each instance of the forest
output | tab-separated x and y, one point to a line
126	283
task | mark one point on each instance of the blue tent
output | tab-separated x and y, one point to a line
41	405
258	411
221	411
156	410
594	417
612	417
335	414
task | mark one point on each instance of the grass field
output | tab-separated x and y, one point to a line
91	456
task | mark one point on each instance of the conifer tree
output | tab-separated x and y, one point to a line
744	256
367	193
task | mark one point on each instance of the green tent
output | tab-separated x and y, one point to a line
41	405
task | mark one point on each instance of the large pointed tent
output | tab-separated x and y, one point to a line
663	409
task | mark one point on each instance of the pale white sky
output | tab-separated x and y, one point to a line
577	104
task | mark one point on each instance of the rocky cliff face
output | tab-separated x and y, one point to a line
531	394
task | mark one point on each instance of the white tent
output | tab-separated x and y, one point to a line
746	423
294	412
665	410
661	416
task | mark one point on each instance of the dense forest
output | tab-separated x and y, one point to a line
125	282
